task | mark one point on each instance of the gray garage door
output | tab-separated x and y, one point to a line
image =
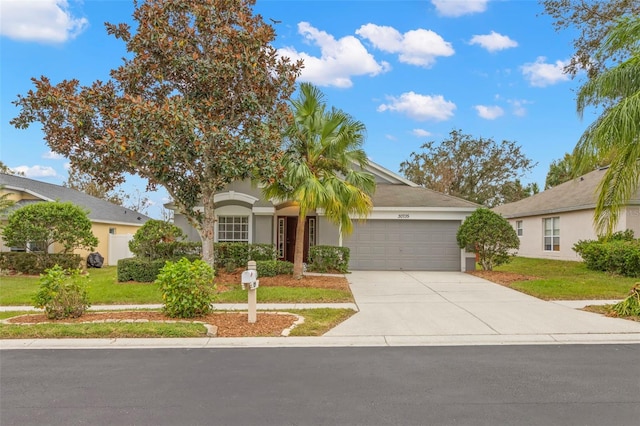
416	245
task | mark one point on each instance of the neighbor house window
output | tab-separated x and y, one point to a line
519	228
112	231
233	229
552	234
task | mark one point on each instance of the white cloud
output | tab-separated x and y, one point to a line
456	8
494	41
36	171
420	107
52	156
416	47
421	133
67	166
339	61
542	74
518	106
390	137
48	21
489	112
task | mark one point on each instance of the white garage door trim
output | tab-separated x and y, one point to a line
417	245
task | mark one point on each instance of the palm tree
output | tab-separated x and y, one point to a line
616	133
322	146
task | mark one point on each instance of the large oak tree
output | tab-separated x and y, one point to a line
199	101
476	169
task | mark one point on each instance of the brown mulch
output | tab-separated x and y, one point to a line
230	324
500	277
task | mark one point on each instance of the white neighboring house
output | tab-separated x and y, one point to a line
410	227
551	222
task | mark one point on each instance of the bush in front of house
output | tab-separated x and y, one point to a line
187	288
328	259
62	293
618	254
239	254
32	264
139	269
271	268
490	236
152	240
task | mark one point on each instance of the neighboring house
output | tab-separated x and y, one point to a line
551	222
113	225
410	227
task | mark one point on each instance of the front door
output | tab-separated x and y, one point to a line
286	238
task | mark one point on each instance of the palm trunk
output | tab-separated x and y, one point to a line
298	256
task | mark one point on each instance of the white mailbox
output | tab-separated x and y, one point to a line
249	279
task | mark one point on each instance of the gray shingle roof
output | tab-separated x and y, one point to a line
99	210
577	194
415	196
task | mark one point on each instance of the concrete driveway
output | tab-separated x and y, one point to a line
453	306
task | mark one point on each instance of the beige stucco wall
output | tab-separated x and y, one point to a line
574	226
101	231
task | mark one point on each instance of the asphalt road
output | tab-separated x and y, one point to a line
490	385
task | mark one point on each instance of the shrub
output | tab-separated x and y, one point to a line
62	293
148	241
37	263
46	223
139	269
187	288
618	256
240	253
328	259
271	268
490	236
630	305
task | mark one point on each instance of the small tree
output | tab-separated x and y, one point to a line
46	223
146	239
490	235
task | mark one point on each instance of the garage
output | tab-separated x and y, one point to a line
411	245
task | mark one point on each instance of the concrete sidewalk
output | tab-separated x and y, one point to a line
414	309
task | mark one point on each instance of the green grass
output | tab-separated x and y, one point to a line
287	295
104	289
317	322
566	280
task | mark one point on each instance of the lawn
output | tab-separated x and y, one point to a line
565	280
104	289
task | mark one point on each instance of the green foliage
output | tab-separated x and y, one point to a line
62	293
139	270
46	223
34	263
323	166
475	169
490	235
328	259
187	288
631	305
146	241
240	253
619	254
271	268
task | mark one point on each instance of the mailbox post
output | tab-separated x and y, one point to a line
250	282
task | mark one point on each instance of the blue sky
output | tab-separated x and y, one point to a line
411	71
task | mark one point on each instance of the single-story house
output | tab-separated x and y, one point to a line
551	222
113	225
410	227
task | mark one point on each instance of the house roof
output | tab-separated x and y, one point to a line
416	196
577	194
99	209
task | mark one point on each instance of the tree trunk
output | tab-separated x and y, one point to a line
206	232
298	256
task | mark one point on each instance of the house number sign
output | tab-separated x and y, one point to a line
403	216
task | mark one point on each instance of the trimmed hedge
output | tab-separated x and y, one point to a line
328	259
271	268
142	270
37	263
239	254
618	256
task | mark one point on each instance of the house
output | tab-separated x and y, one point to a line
551	222
410	227
113	225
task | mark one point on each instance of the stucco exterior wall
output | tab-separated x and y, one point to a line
328	233
101	231
574	226
263	229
